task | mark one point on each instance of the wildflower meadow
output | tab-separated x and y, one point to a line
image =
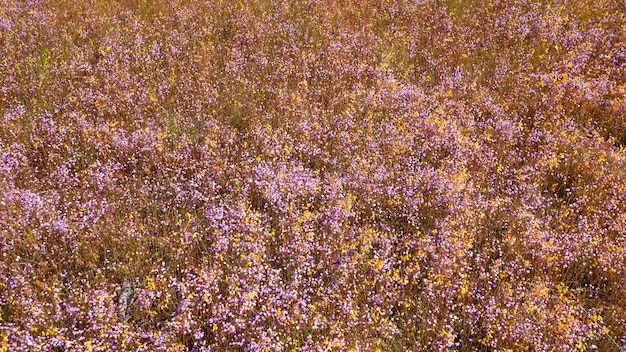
312	175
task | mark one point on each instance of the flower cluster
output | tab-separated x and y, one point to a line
312	175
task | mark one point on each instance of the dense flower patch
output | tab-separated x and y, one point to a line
312	175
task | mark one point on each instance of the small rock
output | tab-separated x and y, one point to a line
127	297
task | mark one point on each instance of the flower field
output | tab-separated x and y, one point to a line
312	175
